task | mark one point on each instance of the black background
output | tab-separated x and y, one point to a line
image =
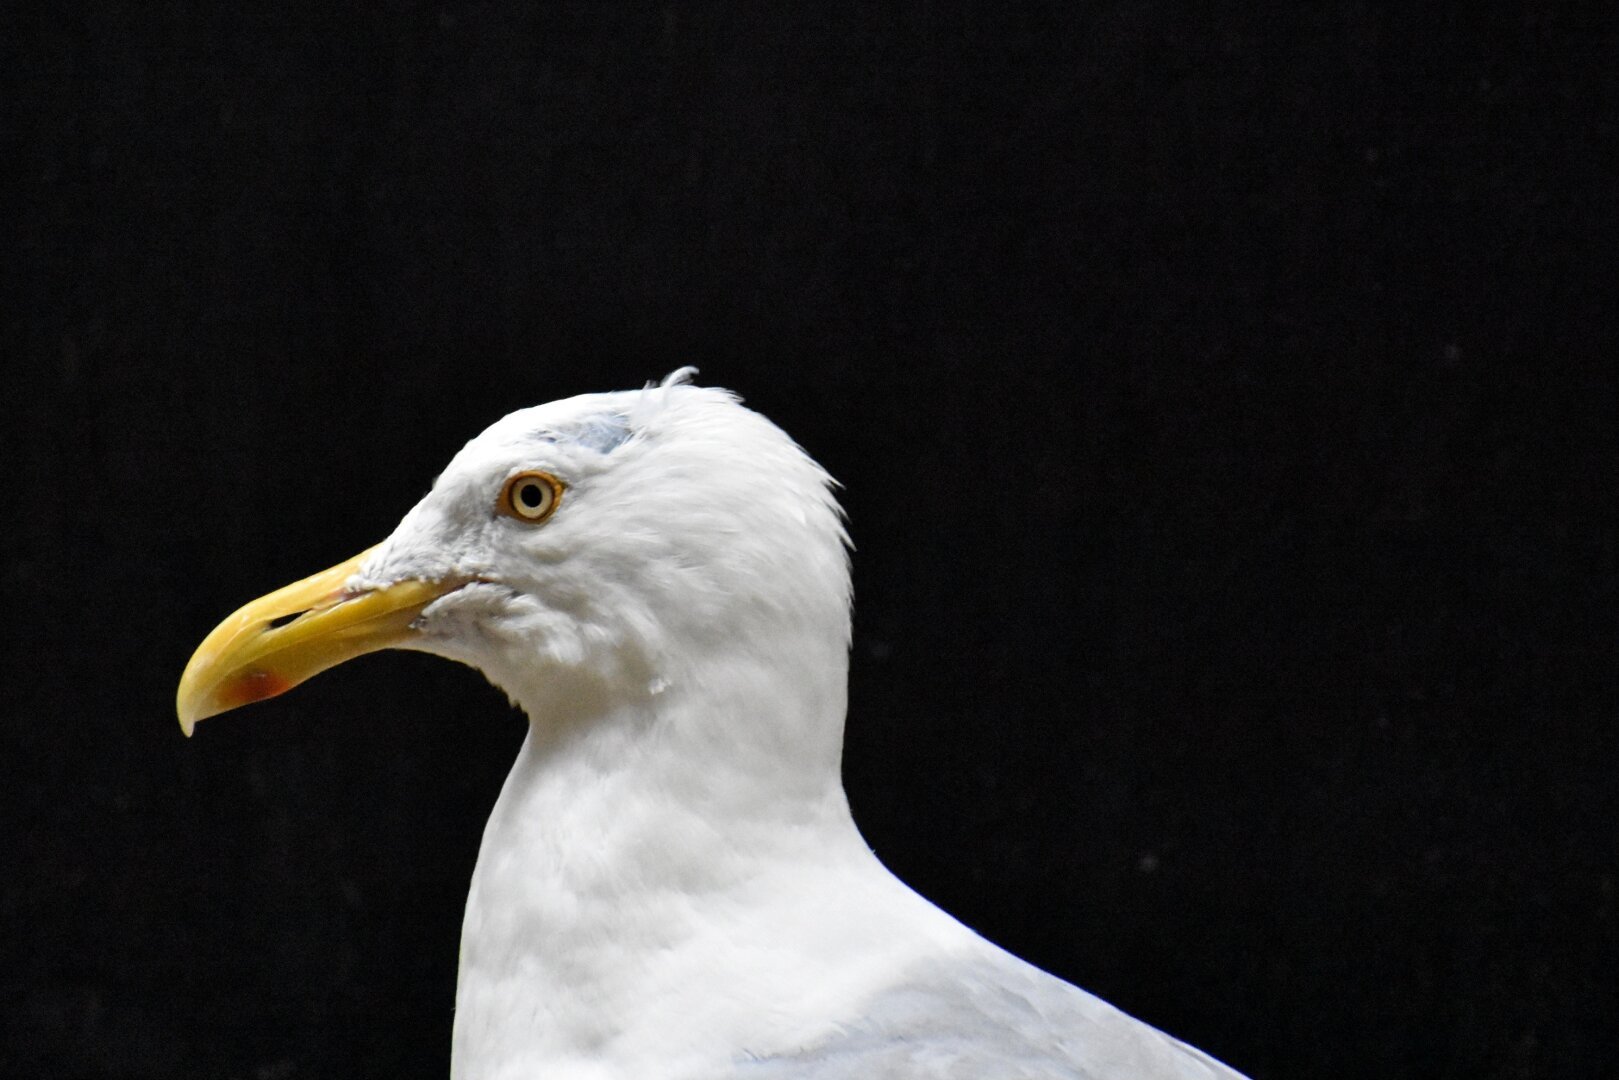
1224	401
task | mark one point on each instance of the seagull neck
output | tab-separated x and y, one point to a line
740	743
650	814
631	841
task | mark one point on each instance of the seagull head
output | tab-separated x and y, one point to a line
603	547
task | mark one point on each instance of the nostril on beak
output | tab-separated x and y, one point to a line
282	620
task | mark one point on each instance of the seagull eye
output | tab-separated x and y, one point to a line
531	496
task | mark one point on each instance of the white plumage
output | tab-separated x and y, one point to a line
671	884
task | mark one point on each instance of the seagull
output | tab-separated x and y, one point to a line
671	884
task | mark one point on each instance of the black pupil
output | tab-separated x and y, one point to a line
531	496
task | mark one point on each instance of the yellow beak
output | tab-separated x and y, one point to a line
271	645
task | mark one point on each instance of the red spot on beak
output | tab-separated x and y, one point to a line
254	684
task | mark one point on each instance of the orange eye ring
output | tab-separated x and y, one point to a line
531	497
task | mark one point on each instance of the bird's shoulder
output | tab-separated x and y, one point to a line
988	1015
